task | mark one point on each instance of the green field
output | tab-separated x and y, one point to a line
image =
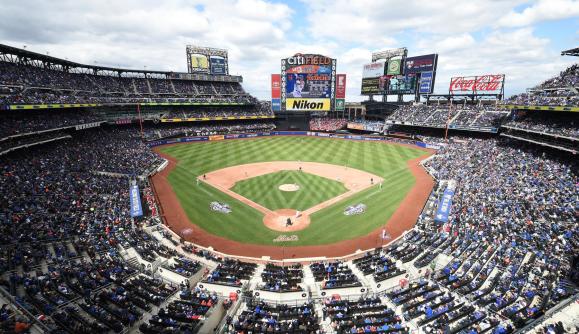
329	225
313	190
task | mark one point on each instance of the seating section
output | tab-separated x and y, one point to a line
260	317
560	90
378	264
366	315
456	116
327	124
182	315
282	278
28	84
334	275
231	272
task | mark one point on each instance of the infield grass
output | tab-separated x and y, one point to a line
328	225
313	189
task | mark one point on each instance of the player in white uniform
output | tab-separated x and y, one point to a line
298	86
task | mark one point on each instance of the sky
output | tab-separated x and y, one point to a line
522	39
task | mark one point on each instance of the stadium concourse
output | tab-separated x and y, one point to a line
73	259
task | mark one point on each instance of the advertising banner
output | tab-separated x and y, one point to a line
341	86
373	70
308	104
217	65
275	86
275	104
135	199
216	137
394	67
340	104
425	63
484	84
308	77
370	86
444	206
426	86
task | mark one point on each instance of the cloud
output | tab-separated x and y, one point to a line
363	21
543	10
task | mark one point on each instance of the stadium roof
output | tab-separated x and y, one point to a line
571	52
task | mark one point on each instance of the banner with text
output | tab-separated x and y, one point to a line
135	199
425	63
276	92
484	84
444	206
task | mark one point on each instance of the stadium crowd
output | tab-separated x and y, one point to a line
459	115
560	90
327	124
28	84
561	124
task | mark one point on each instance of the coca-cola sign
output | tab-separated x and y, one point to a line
484	83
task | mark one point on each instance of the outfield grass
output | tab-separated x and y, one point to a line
329	225
313	190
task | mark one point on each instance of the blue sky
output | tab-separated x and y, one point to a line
522	39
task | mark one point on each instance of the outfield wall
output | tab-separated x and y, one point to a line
287	133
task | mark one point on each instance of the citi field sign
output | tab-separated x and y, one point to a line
301	59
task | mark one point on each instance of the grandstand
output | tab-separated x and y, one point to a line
86	245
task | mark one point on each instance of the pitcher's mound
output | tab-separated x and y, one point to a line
289	187
277	220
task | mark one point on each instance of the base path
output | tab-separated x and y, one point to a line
402	220
354	180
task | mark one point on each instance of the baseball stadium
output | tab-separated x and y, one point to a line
224	169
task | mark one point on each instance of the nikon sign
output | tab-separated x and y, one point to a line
308	104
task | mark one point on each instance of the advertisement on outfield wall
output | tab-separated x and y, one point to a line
484	84
308	77
217	65
373	70
425	63
426	82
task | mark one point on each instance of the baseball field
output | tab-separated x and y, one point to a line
203	173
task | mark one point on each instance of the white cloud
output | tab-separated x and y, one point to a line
543	10
364	21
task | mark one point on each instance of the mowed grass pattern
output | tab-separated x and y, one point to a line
313	190
329	225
